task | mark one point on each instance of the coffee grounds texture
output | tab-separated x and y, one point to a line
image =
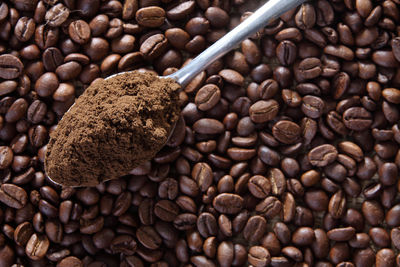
115	125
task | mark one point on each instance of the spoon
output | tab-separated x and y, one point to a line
265	14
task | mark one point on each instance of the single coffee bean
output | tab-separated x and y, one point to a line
206	224
166	210
303	236
263	111
154	46
286	132
79	31
207	97
312	106
24	29
322	155
357	118
57	15
254	229
286	52
37	246
259	256
148	237
337	205
13	196
185	221
228	203
10	66
152	16
23	233
259	186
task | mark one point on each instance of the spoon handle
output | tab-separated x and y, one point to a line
270	10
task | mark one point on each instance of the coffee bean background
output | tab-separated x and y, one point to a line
286	153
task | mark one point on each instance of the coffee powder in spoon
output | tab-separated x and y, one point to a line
115	125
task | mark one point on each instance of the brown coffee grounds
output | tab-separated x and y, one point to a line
114	126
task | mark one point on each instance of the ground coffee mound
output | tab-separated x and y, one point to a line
115	125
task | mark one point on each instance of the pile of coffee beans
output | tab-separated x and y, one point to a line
286	153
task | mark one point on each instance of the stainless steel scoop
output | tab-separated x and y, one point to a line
259	19
268	12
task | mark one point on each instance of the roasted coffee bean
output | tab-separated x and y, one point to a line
228	203
10	66
312	106
152	16
263	111
286	132
13	196
153	46
24	29
37	246
259	256
79	31
357	118
148	237
322	155
255	228
207	97
23	233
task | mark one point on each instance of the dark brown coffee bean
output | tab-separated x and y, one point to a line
385	59
152	16
259	186
17	110
308	68
286	132
391	95
207	97
166	210
312	106
286	52
337	205
228	203
10	66
46	36
22	233
317	200
357	118
13	196
124	244
57	15
303	236
208	126
185	221
385	257
79	31
206	224
69	70
392	218
322	155
24	29
218	17
259	256
373	212
339	51
37	246
269	207
148	237
154	46
263	111
70	261
46	84
254	229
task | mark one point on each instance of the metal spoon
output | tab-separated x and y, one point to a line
259	19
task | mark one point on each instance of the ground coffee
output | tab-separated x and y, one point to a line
115	125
